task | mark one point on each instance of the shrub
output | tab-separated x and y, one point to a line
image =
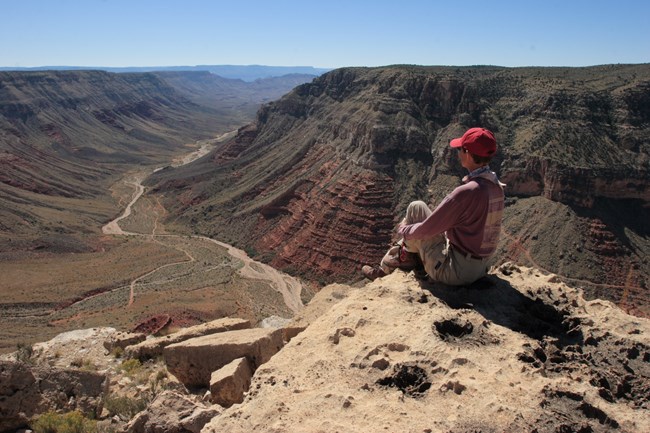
117	352
131	366
24	352
125	407
157	382
83	363
71	422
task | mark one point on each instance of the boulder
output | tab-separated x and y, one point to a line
18	395
229	384
288	332
70	389
171	412
26	391
123	339
153	347
194	360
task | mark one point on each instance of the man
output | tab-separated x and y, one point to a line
455	241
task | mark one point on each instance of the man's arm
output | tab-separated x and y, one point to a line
444	217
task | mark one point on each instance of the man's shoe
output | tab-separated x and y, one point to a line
372	272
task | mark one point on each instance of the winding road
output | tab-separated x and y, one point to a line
288	286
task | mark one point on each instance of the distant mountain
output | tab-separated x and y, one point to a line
241	72
318	182
231	97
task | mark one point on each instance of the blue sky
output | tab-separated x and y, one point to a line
324	33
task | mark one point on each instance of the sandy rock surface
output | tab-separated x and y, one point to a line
516	352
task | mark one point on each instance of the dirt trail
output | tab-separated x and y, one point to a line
289	287
113	227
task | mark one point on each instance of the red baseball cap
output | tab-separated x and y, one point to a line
478	141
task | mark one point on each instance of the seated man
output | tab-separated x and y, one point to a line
455	240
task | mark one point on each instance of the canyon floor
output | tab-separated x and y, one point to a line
136	273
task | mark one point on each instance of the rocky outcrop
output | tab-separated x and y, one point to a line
120	340
153	347
172	412
517	351
230	383
193	361
28	390
573	185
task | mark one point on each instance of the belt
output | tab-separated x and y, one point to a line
466	254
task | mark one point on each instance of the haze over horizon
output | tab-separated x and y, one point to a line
120	33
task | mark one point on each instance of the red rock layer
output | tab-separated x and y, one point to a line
330	222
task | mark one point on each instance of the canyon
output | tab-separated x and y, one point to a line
316	184
73	145
138	202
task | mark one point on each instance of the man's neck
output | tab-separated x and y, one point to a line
473	166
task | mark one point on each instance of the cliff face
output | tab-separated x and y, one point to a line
318	182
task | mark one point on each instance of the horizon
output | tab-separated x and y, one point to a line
150	34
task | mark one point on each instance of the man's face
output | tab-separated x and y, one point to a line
463	156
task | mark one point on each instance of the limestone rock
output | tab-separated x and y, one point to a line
194	360
518	352
288	332
123	339
26	391
18	395
229	383
153	347
172	412
72	389
274	322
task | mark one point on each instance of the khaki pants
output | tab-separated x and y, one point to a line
442	263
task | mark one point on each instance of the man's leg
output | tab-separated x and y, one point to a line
416	212
398	255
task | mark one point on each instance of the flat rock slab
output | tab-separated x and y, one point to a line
194	360
123	339
153	347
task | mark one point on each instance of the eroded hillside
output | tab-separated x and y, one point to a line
318	182
65	137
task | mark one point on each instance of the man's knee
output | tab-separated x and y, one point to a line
417	211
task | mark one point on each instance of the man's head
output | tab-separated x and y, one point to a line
479	143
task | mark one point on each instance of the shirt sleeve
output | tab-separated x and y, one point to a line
447	215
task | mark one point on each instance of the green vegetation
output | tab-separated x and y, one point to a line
71	422
125	407
24	352
131	367
84	364
117	352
